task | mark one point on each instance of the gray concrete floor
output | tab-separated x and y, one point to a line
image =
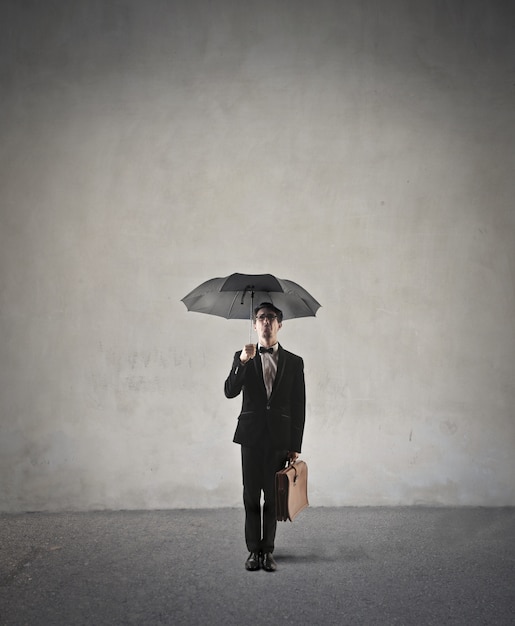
336	566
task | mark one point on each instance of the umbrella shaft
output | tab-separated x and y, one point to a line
251	313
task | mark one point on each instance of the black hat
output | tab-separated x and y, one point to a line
269	305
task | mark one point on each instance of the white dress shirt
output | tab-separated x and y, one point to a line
269	364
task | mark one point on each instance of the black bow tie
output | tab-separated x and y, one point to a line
269	350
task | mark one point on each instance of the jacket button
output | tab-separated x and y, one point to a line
267	407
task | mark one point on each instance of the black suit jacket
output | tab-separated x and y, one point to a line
279	419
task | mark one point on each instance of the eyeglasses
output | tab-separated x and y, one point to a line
270	317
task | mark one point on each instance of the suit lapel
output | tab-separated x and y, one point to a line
259	370
280	370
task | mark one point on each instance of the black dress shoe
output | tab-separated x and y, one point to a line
252	563
269	564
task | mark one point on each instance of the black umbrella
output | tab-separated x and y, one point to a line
234	296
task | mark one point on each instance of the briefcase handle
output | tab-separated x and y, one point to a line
292	464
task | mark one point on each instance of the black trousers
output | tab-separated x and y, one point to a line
259	466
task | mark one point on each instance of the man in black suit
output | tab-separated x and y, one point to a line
270	426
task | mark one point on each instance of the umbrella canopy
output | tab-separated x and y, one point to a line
235	296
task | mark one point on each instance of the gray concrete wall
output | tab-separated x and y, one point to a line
148	146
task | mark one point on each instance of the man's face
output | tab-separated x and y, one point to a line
267	326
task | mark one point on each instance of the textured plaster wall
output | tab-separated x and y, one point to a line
364	149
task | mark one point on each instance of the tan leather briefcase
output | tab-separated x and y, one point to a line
291	491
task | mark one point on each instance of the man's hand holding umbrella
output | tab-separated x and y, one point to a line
248	352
